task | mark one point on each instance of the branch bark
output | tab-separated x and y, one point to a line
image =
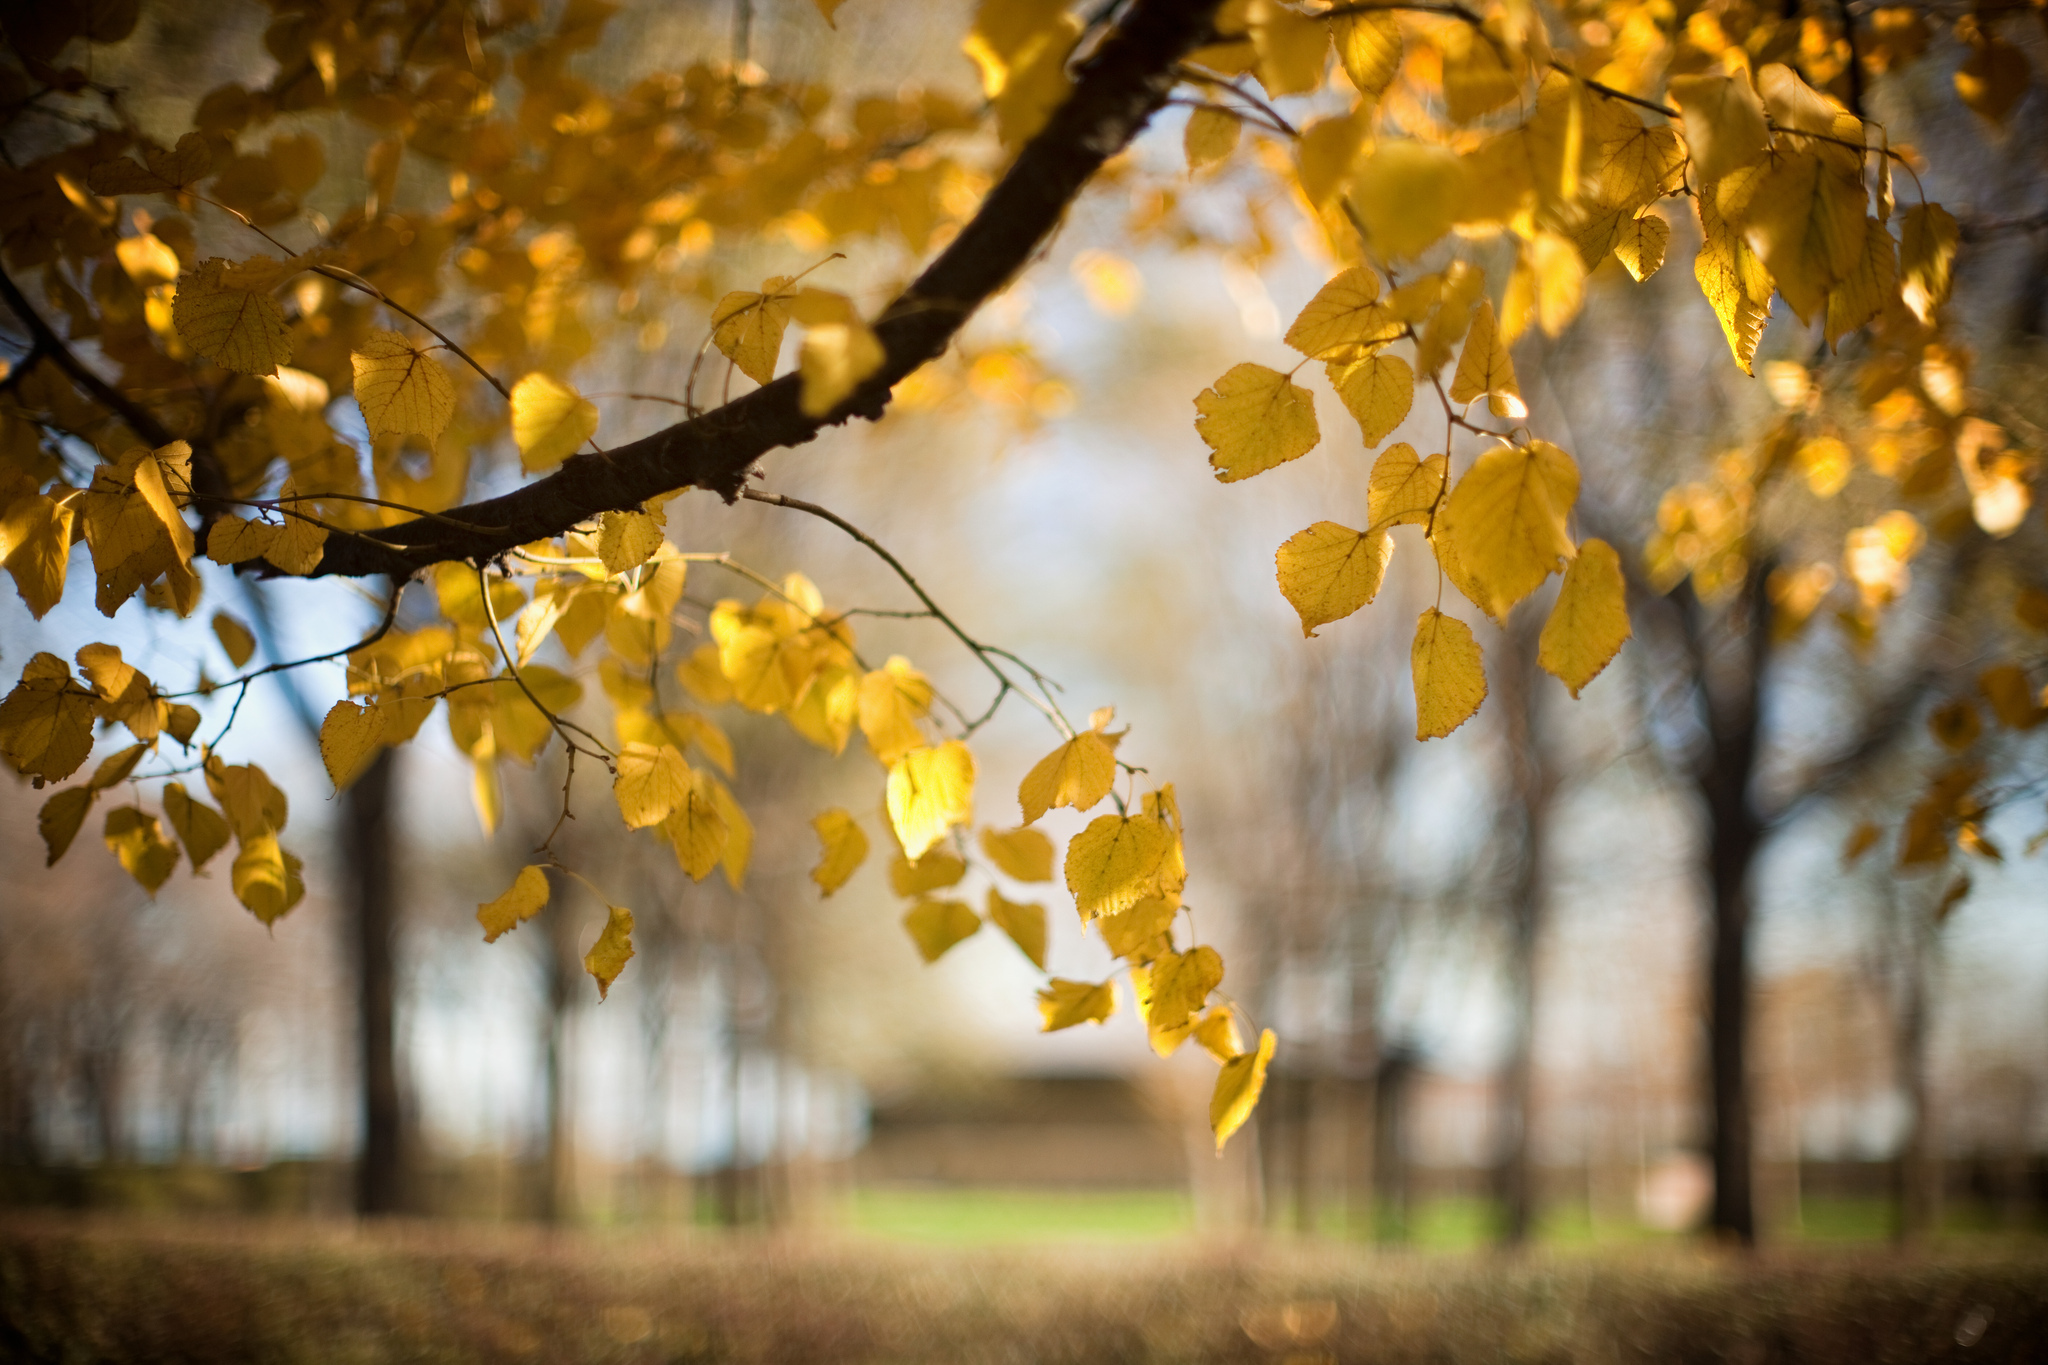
1116	91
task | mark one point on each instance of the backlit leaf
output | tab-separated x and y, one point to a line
893	698
401	389
1237	1089
846	848
935	871
1928	236
238	329
1025	924
1369	46
1378	390
1589	624
1344	315
1024	853
1079	774
60	818
1640	246
1506	519
1115	863
200	828
1724	123
266	878
524	899
626	540
1450	678
46	721
136	839
747	328
930	791
1485	368
1253	419
650	783
1217	1033
350	738
1402	489
36	531
936	926
696	829
1063	1003
234	637
1734	281
1211	135
550	420
612	951
1329	571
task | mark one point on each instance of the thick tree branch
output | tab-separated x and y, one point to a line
1117	89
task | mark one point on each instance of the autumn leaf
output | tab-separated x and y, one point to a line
1344	316
137	841
1329	571
936	926
1485	368
549	421
239	329
1378	391
1115	863
1172	989
612	951
1641	243
234	637
846	848
626	540
401	389
1408	194
1139	932
1063	1003
36	531
1506	520
1210	137
350	738
1450	680
650	783
200	828
1724	122
1928	236
1403	489
935	871
266	878
46	721
1217	1034
893	698
1589	624
930	791
1023	853
1253	419
1079	774
1369	47
60	818
1237	1089
1025	924
1734	280
747	327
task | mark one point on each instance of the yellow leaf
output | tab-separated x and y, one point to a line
833	361
1403	490
930	791
181	722
1408	194
846	848
1805	220
1218	1035
1992	78
524	899
892	700
1734	281
251	801
739	838
1237	1089
200	828
134	528
1956	725
935	871
936	926
1253	419
36	531
747	327
651	782
702	676
400	388
612	951
234	539
2012	697
1079	774
1025	924
349	738
828	707
1211	135
1139	933
46	721
1506	520
1928	236
60	818
1344	315
696	830
1475	79
1589	624
1866	290
1024	853
1172	990
1378	390
266	878
1484	367
1292	48
238	329
135	837
1560	281
147	260
1724	123
1369	46
1329	571
1020	48
549	421
1641	244
234	637
626	540
1450	679
1115	863
1063	1003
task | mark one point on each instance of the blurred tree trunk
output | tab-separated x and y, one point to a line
1522	825
370	892
1389	1162
1917	1173
558	1169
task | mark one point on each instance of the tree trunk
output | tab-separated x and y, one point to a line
1524	819
558	1186
1918	1171
367	868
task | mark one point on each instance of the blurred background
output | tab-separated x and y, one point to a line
1485	957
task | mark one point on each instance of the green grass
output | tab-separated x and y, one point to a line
998	1216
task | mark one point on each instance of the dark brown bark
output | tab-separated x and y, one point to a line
1117	89
369	885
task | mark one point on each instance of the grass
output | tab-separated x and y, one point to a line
999	1216
118	1290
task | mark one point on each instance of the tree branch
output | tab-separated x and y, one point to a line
1117	89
